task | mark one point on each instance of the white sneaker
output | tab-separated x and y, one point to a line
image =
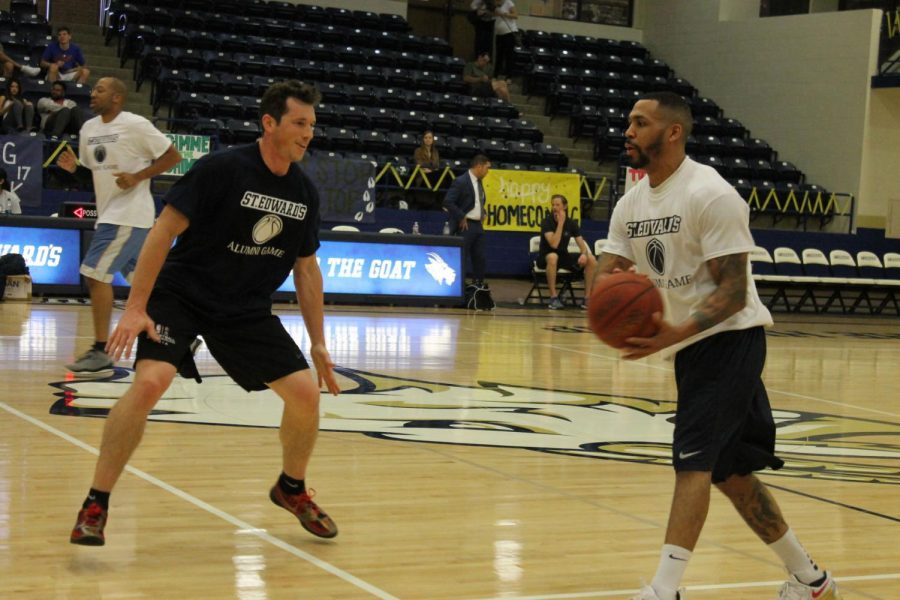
648	593
794	590
30	71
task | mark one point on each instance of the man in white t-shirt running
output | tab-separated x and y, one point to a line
686	228
120	151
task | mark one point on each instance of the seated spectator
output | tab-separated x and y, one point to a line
64	59
556	231
479	75
17	111
9	200
9	66
59	114
426	155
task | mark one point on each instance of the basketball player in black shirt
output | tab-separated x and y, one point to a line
243	219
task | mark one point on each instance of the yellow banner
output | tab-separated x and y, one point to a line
520	200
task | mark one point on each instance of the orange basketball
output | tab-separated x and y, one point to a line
621	306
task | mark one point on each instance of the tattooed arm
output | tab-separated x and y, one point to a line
607	264
730	274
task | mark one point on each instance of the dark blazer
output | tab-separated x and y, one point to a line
459	200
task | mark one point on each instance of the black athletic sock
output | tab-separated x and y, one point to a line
291	486
101	498
101	346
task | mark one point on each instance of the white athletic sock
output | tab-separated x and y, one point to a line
796	559
673	561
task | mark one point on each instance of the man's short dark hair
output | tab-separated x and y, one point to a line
62	28
478	160
677	106
480	54
274	100
60	83
564	200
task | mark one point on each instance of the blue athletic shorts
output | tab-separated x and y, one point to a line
114	248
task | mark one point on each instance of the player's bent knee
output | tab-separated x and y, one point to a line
299	389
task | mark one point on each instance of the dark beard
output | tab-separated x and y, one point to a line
643	158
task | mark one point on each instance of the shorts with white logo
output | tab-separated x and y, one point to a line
114	248
723	422
254	351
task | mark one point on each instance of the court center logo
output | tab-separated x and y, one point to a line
575	423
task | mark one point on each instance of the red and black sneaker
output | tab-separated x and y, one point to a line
312	518
88	529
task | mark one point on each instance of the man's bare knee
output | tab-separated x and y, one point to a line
736	485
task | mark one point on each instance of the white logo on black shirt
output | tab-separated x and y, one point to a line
267	228
270	204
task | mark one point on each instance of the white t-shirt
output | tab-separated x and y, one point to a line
475	213
503	24
669	232
127	144
9	201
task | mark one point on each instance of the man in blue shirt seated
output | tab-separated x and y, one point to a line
64	60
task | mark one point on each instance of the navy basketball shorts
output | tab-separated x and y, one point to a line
723	422
253	351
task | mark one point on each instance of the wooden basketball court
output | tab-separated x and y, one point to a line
471	456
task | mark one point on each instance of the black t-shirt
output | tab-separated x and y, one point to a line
570	230
247	228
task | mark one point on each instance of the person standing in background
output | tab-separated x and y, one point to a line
465	202
505	28
120	151
482	18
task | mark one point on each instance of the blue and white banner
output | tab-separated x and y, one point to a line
53	256
346	187
363	268
21	157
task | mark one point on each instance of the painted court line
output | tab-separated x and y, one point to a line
243	525
696	588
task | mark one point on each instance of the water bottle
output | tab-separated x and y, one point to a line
446	230
415	229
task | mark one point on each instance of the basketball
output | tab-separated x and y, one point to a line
622	306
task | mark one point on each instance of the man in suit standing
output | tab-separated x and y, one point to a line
465	203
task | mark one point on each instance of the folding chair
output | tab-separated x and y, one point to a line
539	275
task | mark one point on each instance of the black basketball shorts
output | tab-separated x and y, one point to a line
566	260
253	351
723	422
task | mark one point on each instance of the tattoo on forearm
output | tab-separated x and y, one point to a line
730	274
